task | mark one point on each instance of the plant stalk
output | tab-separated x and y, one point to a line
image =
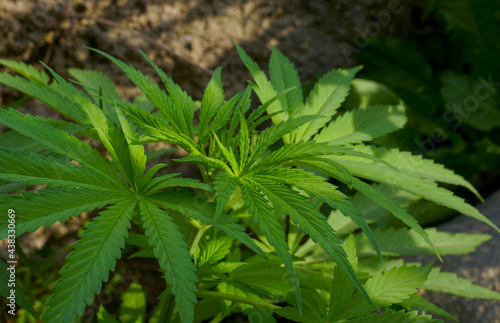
236	298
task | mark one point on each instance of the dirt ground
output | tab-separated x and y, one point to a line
189	38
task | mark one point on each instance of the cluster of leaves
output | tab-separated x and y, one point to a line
449	81
270	189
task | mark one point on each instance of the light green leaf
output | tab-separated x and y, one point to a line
452	284
89	264
393	285
428	190
200	209
100	82
324	100
363	125
212	101
284	76
103	316
133	306
262	87
210	252
28	71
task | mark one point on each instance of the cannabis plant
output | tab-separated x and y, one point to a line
265	187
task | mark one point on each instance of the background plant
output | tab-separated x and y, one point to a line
449	81
265	187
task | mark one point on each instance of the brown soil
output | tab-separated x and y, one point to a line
186	38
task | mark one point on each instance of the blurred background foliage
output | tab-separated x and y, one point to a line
448	75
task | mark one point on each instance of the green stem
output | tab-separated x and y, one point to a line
197	239
220	316
233	201
239	299
167	305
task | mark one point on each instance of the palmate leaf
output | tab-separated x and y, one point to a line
172	252
34	169
269	225
59	141
393	285
270	135
262	87
363	125
200	209
50	95
212	101
28	71
158	97
47	206
101	83
211	251
324	100
415	185
181	101
311	222
89	264
157	127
